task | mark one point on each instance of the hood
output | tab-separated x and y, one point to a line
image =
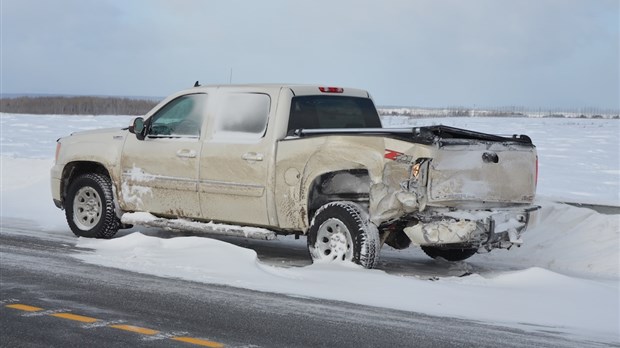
101	131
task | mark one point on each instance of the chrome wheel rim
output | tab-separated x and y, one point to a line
333	241
86	208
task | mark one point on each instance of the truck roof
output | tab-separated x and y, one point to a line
297	89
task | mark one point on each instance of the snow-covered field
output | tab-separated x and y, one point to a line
564	279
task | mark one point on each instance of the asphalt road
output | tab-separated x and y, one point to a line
50	299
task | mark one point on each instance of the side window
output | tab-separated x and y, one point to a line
242	117
182	117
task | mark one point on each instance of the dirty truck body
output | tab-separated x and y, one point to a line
300	160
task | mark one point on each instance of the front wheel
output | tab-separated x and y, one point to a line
458	254
341	231
89	207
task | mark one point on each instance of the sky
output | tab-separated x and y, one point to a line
531	53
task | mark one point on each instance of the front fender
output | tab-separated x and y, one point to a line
88	150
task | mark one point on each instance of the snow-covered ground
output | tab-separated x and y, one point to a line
565	278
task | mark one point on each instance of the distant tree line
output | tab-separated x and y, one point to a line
507	111
448	112
83	105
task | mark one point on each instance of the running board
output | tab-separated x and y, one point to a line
147	219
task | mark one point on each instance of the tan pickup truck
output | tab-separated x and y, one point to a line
261	160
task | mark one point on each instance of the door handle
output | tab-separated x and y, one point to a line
252	156
184	153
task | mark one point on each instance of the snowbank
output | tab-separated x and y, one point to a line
525	298
570	240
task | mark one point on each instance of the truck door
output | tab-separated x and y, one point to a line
160	173
236	159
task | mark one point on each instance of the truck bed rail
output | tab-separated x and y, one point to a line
424	135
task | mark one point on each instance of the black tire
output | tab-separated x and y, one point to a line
348	219
89	207
457	254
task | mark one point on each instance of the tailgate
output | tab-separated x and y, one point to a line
481	173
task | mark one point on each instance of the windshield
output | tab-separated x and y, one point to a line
320	112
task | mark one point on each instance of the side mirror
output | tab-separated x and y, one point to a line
137	128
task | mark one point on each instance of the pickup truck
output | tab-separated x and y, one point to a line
261	160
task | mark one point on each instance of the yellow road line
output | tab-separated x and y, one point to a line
23	307
137	329
131	328
75	317
198	342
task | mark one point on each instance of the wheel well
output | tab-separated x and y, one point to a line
74	169
343	185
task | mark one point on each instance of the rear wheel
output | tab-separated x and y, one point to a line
341	231
89	207
458	254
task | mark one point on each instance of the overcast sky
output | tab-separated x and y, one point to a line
535	53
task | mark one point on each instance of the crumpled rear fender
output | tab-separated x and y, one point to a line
301	161
341	154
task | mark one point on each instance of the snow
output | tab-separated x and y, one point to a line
574	241
34	136
132	194
25	192
565	278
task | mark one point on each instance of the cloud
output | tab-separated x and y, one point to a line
425	52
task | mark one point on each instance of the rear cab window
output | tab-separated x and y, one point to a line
322	112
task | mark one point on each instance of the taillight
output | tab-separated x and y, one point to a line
331	89
57	151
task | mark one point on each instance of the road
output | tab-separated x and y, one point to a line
601	209
49	298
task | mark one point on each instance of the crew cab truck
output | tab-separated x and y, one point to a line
304	160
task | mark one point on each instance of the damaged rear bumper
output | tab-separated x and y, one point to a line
482	229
